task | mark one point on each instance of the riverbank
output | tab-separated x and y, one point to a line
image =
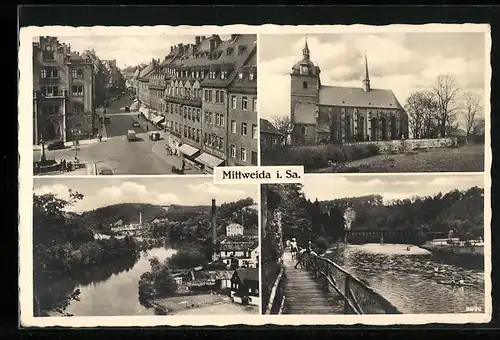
175	304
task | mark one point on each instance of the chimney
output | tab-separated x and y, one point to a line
212	45
214	227
214	36
140	217
202	37
171	48
197	40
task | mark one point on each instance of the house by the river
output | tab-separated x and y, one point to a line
245	286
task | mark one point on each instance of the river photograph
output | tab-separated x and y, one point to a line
413	244
111	247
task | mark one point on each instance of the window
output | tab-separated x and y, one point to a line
254	131
221	97
233	102
206	95
233	151
233	126
304	85
254	157
77	73
50	91
240	75
251	76
221	119
217	96
254	104
210	117
243	129
217	119
223	75
198	114
43	73
243	155
244	103
210	95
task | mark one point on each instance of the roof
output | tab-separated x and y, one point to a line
250	67
247	274
236	246
305	113
147	70
357	97
267	127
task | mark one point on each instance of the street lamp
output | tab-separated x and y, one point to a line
43	158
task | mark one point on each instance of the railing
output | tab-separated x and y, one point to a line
358	297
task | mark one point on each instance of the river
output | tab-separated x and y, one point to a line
409	279
118	294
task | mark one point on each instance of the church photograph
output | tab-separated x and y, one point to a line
373	102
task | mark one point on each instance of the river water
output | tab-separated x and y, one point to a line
413	280
118	294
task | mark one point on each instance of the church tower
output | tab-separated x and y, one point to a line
304	91
366	81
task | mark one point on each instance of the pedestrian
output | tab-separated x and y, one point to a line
61	169
64	165
302	253
183	165
293	247
147	127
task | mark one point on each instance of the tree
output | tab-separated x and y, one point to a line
415	108
471	110
284	125
446	93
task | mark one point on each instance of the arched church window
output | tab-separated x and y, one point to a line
304	85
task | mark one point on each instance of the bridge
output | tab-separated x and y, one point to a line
320	286
410	236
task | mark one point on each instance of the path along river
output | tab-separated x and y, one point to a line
410	279
118	294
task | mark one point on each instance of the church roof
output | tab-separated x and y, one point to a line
304	113
357	97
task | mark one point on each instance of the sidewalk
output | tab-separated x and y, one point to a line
70	144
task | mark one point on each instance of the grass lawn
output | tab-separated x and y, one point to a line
467	158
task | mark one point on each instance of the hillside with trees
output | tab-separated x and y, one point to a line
323	221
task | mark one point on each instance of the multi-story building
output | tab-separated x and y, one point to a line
337	114
242	133
143	84
64	85
198	80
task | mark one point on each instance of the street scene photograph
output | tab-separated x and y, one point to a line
144	246
375	102
144	104
374	245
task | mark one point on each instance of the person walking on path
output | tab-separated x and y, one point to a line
302	253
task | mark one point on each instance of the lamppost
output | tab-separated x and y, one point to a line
43	158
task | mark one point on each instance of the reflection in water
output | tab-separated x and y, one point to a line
112	290
413	283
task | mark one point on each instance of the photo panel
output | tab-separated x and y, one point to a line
121	247
376	99
144	104
357	245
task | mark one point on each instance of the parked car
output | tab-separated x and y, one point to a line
136	124
127	109
106	172
154	136
56	145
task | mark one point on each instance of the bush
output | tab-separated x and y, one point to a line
187	259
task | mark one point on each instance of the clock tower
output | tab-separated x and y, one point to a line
304	90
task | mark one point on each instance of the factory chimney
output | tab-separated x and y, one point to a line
140	217
215	244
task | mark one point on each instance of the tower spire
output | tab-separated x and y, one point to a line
305	50
366	81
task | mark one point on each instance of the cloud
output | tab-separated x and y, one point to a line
224	193
60	190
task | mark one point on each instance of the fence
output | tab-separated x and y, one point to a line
358	297
276	300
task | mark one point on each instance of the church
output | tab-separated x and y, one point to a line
334	114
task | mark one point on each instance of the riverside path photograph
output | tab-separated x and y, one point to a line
143	104
375	245
144	246
395	101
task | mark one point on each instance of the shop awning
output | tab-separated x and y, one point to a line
209	160
157	119
188	150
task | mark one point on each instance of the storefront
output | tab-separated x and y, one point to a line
209	162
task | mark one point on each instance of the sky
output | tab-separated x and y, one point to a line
129	50
403	62
160	191
390	187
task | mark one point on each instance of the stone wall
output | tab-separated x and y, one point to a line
400	146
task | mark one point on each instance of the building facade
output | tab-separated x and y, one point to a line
64	92
335	114
234	229
200	81
245	286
